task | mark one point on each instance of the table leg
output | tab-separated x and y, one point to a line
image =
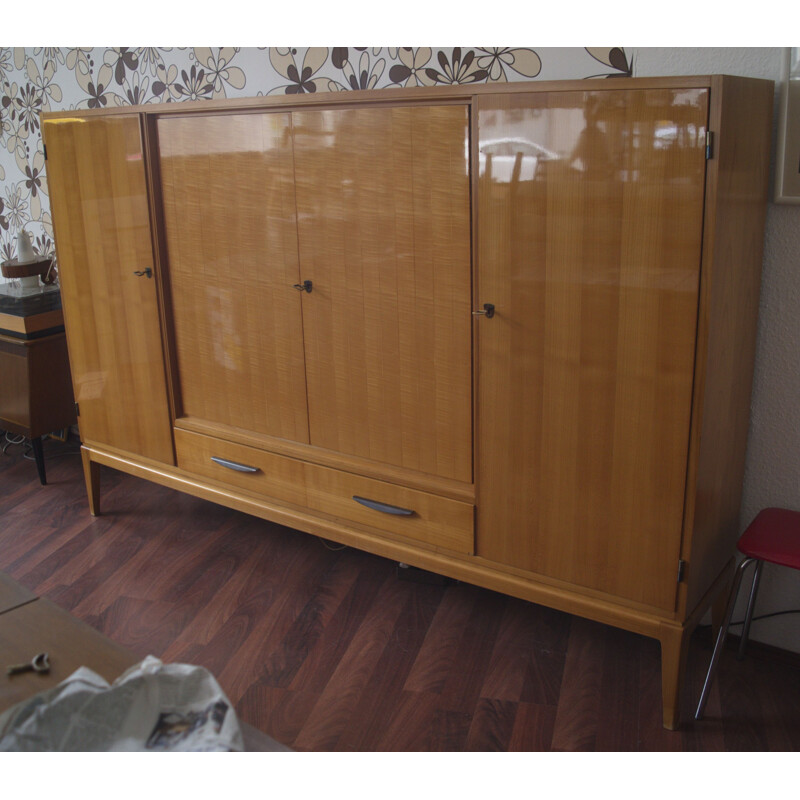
38	453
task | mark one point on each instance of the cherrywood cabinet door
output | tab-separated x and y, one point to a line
590	224
230	223
384	232
98	195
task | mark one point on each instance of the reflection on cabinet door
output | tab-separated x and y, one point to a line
229	213
102	230
384	231
590	225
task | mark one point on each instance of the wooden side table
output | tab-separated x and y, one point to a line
35	383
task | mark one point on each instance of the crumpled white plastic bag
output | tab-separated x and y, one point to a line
151	707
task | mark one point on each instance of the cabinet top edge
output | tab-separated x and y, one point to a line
463	93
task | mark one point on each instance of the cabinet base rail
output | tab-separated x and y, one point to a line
672	635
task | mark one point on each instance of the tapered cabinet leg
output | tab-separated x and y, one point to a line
38	454
674	649
91	474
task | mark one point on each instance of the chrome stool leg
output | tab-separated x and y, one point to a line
751	603
723	632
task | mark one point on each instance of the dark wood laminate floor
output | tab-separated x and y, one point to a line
325	649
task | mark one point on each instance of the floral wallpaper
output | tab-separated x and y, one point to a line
33	80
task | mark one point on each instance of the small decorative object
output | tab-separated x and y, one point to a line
25	252
27	267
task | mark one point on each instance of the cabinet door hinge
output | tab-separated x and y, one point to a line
44	148
681	570
77	410
709	145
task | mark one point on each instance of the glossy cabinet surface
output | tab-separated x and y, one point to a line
370	210
229	217
591	212
98	194
384	230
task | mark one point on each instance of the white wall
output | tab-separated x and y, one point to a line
772	476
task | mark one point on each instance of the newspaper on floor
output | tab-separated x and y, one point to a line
151	707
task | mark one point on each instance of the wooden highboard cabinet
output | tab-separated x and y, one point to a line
504	333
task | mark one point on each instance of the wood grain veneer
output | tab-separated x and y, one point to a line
458	490
418	95
36	397
15	401
435	521
438	521
34	323
275	476
384	232
738	183
230	226
102	231
590	246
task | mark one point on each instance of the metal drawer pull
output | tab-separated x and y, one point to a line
233	465
384	507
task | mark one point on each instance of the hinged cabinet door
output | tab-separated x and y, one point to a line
98	195
227	190
384	231
590	227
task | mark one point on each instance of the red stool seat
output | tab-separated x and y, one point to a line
774	536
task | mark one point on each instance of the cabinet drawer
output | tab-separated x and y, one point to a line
410	513
241	466
413	514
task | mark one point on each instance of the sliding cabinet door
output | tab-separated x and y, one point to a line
98	195
384	231
590	225
229	216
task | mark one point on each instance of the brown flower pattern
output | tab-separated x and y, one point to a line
302	80
33	80
613	57
460	67
122	60
496	60
197	85
219	69
363	76
410	71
